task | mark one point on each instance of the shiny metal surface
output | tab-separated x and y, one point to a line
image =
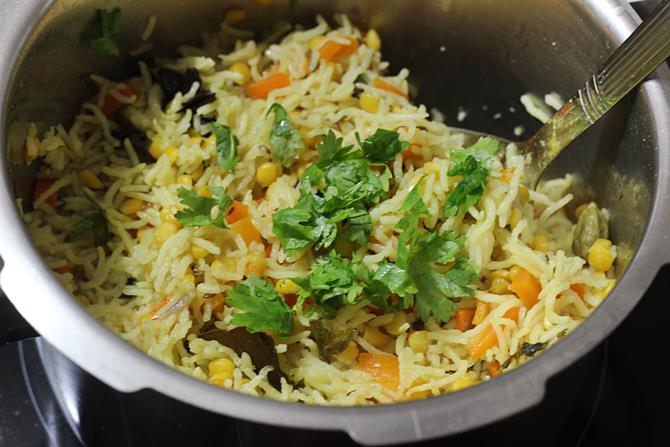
478	55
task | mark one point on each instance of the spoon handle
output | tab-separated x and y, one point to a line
630	64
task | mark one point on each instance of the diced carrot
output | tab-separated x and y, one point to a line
526	287
383	367
63	270
262	88
512	314
332	50
246	228
384	85
237	211
578	289
463	319
487	338
493	368
111	105
482	342
158	306
41	185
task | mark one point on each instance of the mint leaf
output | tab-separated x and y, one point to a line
226	147
383	146
285	140
199	211
260	308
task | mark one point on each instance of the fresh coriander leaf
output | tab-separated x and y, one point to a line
483	150
390	279
435	289
95	223
285	140
469	191
101	29
331	150
226	147
412	209
260	308
358	227
297	228
199	211
472	164
332	283
383	146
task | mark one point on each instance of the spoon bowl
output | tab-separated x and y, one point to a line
646	48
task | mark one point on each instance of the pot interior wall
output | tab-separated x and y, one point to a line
479	56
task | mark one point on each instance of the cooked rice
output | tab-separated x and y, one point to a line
318	99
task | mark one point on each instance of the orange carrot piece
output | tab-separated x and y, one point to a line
62	270
268	250
246	228
493	368
578	289
237	211
111	105
41	185
383	367
332	50
482	342
526	287
486	339
463	319
262	88
384	85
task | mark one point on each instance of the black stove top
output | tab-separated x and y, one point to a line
615	396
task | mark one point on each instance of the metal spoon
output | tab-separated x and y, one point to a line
645	49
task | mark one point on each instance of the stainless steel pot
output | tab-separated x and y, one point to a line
477	54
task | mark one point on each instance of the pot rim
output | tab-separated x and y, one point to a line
27	281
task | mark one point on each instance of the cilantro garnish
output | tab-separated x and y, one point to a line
199	211
336	194
435	289
332	283
260	308
226	147
101	29
473	165
383	146
95	223
285	140
425	256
